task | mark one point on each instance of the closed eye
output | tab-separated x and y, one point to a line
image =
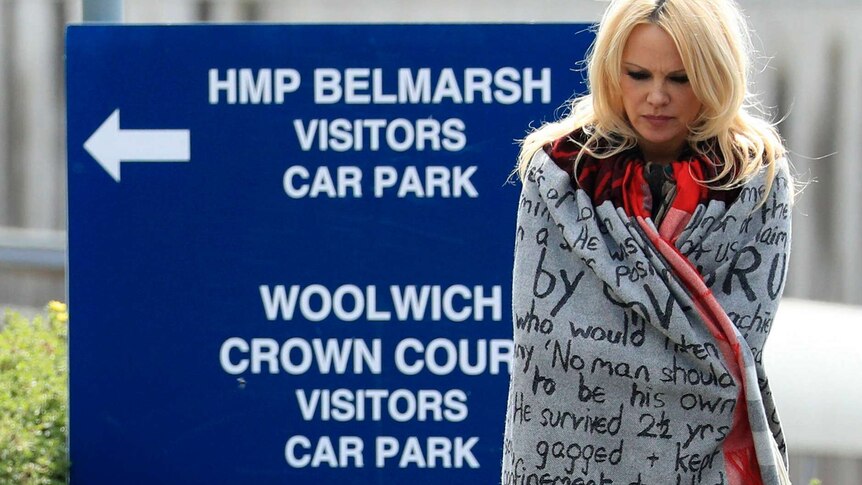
679	79
638	75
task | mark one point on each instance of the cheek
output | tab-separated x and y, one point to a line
692	105
629	97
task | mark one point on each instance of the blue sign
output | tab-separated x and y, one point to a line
290	247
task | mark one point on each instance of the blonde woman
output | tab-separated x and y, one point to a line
652	244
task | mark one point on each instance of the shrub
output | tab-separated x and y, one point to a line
33	397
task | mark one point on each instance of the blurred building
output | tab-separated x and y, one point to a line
809	72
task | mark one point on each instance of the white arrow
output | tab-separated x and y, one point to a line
110	145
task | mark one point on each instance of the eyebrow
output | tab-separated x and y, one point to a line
671	73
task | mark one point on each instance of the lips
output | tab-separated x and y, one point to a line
658	118
658	121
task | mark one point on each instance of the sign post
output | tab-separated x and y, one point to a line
290	247
103	10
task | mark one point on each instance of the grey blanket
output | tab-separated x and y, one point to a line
638	356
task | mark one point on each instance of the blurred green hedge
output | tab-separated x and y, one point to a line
34	397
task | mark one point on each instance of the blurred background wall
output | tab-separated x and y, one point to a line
809	72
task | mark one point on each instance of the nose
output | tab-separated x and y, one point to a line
657	95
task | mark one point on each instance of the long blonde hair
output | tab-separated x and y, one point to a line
713	42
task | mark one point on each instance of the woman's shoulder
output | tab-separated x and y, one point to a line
565	150
783	182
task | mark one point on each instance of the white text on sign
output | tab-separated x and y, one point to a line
297	356
435	452
349	302
505	85
398	135
410	181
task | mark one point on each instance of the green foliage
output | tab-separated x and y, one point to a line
33	398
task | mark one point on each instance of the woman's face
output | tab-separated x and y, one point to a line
657	96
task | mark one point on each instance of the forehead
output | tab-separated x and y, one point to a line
650	47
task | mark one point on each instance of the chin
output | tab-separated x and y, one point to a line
660	136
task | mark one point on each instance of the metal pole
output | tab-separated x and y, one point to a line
103	11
